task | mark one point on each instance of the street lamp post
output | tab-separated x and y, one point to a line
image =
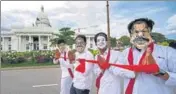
108	24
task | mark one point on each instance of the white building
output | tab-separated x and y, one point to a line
36	37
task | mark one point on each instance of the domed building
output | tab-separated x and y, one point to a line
38	36
29	38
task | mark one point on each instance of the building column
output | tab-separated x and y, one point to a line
19	42
48	44
40	48
3	44
30	43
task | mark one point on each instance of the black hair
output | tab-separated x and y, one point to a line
81	36
150	23
61	41
172	44
100	34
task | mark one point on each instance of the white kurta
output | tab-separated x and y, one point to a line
66	79
110	83
165	57
83	80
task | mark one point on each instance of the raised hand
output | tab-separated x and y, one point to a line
57	54
71	56
102	63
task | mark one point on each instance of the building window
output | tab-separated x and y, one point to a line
1	47
44	38
44	46
27	46
9	47
9	38
91	45
27	38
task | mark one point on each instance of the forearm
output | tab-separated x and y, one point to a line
55	61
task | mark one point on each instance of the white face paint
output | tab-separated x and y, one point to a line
101	42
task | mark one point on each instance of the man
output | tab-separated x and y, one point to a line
82	80
145	52
65	65
107	82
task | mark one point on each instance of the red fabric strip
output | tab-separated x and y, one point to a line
69	69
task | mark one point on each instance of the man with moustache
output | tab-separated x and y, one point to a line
145	52
66	67
107	81
82	81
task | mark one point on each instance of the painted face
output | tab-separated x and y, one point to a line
80	45
61	47
140	36
101	42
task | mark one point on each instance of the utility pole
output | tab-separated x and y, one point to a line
108	24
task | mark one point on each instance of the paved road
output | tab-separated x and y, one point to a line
31	81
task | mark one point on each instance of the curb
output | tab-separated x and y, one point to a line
32	67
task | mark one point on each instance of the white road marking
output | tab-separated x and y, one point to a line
44	85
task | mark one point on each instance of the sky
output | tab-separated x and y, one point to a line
91	14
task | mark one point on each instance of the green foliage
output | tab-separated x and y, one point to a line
164	43
158	37
125	40
21	57
66	34
113	42
94	52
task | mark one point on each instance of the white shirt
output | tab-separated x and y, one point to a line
64	65
83	80
110	83
165	57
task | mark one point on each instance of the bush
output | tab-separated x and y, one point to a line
21	57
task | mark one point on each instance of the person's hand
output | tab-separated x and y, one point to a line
57	54
102	63
148	59
71	56
164	77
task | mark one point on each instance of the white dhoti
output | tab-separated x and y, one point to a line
66	85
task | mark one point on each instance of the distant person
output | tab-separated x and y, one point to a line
61	56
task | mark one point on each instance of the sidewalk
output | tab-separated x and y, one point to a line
30	67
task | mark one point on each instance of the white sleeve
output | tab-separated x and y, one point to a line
55	61
171	64
121	59
88	66
65	64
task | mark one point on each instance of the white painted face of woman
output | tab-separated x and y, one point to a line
101	42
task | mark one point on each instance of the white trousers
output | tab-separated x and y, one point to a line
66	83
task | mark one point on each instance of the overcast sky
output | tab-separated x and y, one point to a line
89	13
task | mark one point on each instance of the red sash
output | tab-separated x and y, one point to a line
131	83
69	69
101	74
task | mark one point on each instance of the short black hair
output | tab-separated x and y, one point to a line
100	34
150	23
60	41
81	36
172	44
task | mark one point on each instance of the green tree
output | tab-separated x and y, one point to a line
66	34
113	42
158	37
125	40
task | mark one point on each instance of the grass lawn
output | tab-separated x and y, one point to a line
26	64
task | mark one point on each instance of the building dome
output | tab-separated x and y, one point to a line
42	19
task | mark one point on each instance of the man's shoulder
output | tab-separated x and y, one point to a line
164	48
